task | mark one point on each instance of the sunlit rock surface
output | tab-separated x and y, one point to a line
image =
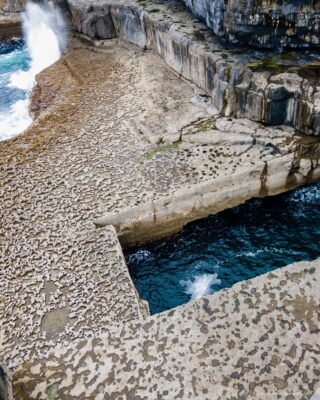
116	132
257	340
241	83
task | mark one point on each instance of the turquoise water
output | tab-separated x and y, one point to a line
14	116
13	57
234	245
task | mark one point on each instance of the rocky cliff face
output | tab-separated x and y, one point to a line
262	23
264	89
11	6
239	84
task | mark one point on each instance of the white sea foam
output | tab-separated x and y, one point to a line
140	256
44	44
201	285
16	120
250	253
306	195
41	35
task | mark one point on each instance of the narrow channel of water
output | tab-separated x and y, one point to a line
237	244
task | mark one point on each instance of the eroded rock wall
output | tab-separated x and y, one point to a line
262	23
5	384
11	6
234	81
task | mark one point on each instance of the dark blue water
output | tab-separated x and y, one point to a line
234	245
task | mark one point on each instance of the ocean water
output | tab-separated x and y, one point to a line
14	116
237	244
21	61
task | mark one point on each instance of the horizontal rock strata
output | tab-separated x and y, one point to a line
235	82
240	85
276	160
10	26
266	24
117	130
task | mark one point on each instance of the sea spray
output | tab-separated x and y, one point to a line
44	43
201	285
41	34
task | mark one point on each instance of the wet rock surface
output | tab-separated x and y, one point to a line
10	26
256	340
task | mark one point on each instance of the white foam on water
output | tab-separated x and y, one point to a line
44	44
16	120
201	285
250	253
305	196
41	35
140	256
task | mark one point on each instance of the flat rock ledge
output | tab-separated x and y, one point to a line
262	87
256	340
71	323
239	83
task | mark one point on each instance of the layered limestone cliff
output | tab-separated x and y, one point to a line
10	20
241	84
265	88
117	133
262	23
11	6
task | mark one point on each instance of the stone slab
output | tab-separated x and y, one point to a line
256	340
59	287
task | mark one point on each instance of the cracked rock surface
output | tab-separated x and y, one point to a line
242	82
257	340
117	130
